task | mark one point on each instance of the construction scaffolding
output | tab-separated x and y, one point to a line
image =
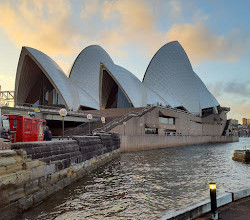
6	97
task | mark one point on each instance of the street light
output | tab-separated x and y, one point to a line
89	117
124	124
63	113
103	120
141	127
214	213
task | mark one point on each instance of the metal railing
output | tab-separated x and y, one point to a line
124	118
45	109
75	128
7	95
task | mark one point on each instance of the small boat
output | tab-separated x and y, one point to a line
242	155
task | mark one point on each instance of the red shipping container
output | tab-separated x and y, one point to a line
25	128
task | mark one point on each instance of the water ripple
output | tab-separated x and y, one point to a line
143	185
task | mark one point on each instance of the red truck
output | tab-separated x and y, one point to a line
25	128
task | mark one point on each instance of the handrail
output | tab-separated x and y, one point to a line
49	110
124	118
41	106
74	128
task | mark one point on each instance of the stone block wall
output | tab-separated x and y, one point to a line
32	171
4	145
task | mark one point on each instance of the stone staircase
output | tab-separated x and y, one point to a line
83	129
226	127
109	114
124	118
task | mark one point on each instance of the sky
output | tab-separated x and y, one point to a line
215	35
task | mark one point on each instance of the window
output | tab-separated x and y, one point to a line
6	124
15	124
167	120
151	130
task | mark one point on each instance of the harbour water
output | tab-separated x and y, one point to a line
143	185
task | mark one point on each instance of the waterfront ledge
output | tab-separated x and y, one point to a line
150	142
33	171
194	211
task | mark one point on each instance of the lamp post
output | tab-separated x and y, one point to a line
214	213
89	117
141	127
63	113
103	121
124	124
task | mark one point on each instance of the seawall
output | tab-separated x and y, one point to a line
33	171
194	211
149	142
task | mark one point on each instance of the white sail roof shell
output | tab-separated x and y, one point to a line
54	74
85	73
169	79
170	75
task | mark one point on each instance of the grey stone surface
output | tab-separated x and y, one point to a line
25	203
5	161
31	187
10	211
58	166
15	194
39	196
7	153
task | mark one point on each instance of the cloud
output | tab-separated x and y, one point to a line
201	43
123	23
175	9
42	24
219	88
233	94
238	88
52	27
64	65
91	7
119	26
239	111
7	82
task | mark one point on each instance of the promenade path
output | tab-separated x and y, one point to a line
239	210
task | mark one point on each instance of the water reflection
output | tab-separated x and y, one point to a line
144	184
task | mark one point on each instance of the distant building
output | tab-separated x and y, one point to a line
245	121
235	122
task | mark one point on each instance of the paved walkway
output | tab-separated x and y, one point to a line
239	210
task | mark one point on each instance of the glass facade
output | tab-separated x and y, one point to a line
151	130
112	94
43	93
167	120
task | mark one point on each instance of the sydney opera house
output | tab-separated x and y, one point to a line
96	82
